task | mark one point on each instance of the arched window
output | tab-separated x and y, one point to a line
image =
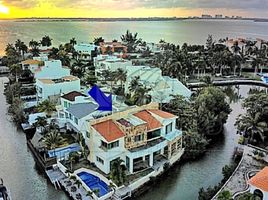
258	195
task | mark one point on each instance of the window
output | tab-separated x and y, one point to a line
76	120
110	145
153	134
65	104
169	128
113	144
139	138
88	134
66	115
100	160
104	144
70	116
127	162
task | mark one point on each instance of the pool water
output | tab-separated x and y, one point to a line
94	183
64	151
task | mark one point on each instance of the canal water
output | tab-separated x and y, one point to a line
184	182
17	166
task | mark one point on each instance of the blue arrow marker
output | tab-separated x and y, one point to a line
105	103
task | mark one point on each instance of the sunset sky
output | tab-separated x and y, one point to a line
130	8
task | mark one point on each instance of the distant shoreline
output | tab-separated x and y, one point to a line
127	19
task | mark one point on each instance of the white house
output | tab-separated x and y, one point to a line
52	69
162	87
41	58
85	51
76	109
31	64
258	184
111	63
143	137
53	79
51	88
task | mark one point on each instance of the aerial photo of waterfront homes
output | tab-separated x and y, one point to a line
135	100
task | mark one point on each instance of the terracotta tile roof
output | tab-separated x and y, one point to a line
162	114
260	180
30	62
152	123
109	130
71	95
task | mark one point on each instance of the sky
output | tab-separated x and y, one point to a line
131	8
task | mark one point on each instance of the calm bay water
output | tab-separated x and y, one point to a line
190	31
16	162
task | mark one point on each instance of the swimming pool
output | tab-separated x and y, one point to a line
94	183
64	151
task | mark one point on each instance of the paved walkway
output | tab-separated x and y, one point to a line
238	181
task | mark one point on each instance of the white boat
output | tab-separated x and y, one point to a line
4	192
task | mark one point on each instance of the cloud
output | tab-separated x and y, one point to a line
129	4
132	4
21	3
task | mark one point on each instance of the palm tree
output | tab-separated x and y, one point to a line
121	76
78	183
78	69
53	140
21	47
98	40
134	84
54	53
24	49
141	95
97	191
46	41
35	51
73	41
251	126
118	172
40	122
46	106
112	186
18	44
15	69
131	40
90	194
34	44
90	78
72	158
82	143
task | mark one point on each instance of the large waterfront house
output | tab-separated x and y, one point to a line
53	79
113	47
76	109
85	51
111	63
143	137
162	87
258	184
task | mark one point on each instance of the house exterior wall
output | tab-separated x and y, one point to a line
131	132
46	90
52	70
106	155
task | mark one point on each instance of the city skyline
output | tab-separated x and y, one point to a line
127	8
